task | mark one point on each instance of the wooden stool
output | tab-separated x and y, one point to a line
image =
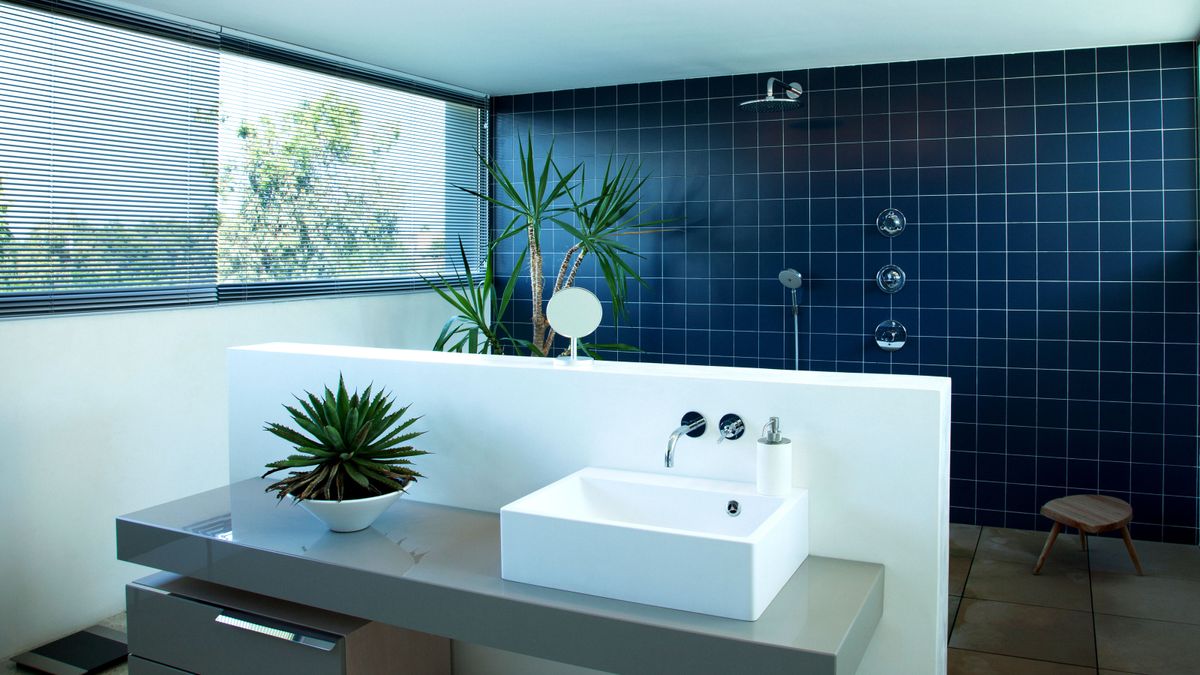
1090	514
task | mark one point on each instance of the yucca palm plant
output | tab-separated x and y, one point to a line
479	327
535	197
354	447
599	221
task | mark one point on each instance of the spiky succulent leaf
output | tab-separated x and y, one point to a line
356	448
317	414
291	435
354	473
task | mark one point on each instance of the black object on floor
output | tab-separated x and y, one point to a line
88	651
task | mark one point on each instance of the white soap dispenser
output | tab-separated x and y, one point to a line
774	461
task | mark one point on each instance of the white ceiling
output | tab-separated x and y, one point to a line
514	46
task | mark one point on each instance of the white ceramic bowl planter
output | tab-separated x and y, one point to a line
350	515
349	449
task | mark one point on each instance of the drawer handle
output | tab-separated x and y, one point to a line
282	632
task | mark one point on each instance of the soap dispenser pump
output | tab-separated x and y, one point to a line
774	461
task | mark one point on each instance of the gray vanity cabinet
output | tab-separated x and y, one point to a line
182	625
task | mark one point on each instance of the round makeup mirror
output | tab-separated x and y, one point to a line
574	312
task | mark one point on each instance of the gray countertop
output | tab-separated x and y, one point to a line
437	569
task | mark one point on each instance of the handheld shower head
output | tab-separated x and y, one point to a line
790	278
789	100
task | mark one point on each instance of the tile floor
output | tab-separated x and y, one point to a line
1088	612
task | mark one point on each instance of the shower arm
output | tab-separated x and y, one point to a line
787	88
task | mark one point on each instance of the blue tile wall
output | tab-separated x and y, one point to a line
1051	250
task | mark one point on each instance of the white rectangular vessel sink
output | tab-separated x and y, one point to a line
709	546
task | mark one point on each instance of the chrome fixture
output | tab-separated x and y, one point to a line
791	279
891	222
772	103
733	508
731	428
693	425
890	335
890	278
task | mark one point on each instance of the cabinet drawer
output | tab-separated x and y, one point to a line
197	627
204	638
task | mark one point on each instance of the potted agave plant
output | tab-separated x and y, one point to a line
351	460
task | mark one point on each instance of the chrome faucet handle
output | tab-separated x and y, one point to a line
731	427
695	424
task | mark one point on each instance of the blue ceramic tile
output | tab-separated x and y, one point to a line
989	93
1049	90
848	77
1178	114
1112	87
960	95
1051	200
1019	120
1081	117
875	75
1080	88
1179	83
1145	85
1018	65
1113	116
1080	61
1143	57
1110	59
1178	55
1018	91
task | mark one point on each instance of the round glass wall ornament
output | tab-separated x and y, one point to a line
891	222
890	335
890	278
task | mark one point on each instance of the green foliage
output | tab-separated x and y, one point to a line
354	447
603	218
477	328
85	254
301	202
289	211
536	198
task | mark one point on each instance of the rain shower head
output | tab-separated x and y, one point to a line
790	278
789	100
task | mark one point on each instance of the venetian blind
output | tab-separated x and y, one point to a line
336	183
108	165
147	163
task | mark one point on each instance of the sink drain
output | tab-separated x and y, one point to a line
733	508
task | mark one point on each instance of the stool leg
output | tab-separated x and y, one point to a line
1037	569
1137	563
1083	540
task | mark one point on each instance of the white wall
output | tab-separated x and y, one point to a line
873	450
103	414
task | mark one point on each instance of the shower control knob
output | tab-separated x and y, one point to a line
890	278
731	428
890	335
890	222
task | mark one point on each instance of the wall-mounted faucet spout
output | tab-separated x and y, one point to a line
693	425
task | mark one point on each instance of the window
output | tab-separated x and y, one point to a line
139	168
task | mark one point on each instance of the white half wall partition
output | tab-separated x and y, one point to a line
873	450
